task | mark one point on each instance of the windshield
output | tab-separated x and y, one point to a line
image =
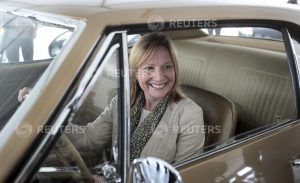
27	44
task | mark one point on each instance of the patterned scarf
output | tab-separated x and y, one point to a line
140	134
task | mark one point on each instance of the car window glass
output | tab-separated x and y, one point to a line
25	47
25	39
247	32
86	145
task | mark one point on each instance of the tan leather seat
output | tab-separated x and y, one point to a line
263	94
219	113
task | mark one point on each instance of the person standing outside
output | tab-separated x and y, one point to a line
19	33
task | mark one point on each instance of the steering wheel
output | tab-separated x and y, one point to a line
84	171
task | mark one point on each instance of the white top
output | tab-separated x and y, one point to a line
144	114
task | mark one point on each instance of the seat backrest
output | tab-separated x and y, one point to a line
219	113
257	81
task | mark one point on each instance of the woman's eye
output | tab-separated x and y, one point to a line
149	69
167	67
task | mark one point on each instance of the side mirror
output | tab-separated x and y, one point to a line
149	169
57	44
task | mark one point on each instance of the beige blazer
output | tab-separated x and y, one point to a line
178	136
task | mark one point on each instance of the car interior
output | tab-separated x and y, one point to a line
240	87
256	80
241	83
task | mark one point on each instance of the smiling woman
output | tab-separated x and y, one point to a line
156	77
154	63
157	111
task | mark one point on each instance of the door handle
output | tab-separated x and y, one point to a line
296	163
296	170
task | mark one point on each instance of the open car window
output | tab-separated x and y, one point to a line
25	39
27	44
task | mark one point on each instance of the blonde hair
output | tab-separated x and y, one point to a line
142	51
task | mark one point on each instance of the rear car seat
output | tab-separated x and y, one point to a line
219	113
256	80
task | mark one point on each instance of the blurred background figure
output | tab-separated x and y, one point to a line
19	33
216	30
293	2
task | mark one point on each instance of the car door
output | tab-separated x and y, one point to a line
102	93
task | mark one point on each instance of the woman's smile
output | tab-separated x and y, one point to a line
158	86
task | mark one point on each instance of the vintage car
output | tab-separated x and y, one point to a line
247	85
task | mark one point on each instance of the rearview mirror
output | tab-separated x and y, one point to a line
149	169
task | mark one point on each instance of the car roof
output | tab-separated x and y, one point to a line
116	12
112	4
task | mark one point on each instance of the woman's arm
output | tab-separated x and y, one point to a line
97	134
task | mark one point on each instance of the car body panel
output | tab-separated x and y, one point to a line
265	156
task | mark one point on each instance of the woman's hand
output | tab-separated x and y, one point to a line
23	93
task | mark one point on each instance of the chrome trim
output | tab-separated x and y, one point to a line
296	163
23	175
124	152
266	132
293	66
70	169
294	55
150	169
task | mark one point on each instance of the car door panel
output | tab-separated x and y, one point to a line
265	158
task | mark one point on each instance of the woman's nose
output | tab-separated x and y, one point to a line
158	74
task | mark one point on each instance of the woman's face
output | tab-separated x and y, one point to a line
157	75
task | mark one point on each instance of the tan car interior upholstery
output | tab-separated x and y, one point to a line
219	113
257	81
